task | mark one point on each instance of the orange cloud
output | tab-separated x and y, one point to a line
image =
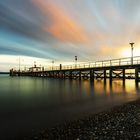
63	27
110	51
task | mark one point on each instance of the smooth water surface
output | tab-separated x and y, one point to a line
29	104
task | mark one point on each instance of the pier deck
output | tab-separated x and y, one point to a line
115	68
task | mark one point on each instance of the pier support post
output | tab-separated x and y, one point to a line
110	75
104	75
64	76
52	74
91	74
70	75
43	74
136	75
123	72
59	74
79	75
49	74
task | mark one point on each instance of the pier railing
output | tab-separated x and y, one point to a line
115	68
104	63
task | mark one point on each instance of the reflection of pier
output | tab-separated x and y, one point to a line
112	69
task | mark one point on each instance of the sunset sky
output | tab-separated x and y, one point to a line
57	30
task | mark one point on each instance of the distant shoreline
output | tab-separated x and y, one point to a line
4	73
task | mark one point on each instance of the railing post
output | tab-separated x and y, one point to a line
119	62
60	67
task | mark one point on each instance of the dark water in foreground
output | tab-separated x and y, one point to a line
27	104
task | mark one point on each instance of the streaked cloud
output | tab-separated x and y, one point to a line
63	27
60	29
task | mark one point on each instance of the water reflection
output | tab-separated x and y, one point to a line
115	86
39	100
69	89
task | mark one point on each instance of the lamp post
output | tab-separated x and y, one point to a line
19	63
52	64
131	52
75	61
35	64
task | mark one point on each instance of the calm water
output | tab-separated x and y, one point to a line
29	104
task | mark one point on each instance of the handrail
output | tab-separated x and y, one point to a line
103	63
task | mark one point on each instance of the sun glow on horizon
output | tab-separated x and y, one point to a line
126	52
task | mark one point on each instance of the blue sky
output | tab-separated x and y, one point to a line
60	29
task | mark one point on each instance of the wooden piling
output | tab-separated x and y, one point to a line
123	72
91	74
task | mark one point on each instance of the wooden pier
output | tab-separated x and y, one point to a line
112	69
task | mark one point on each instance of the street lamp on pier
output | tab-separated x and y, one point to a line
75	61
19	63
52	64
132	52
35	64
